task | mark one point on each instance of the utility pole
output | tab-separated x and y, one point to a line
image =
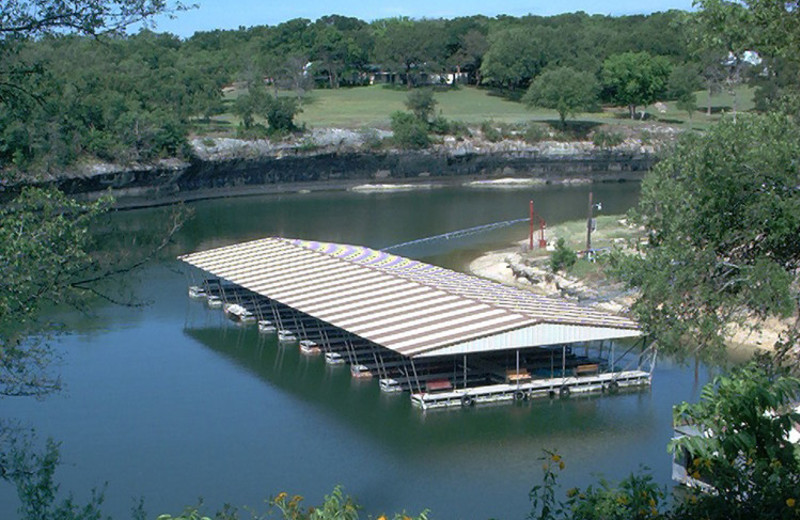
530	241
589	225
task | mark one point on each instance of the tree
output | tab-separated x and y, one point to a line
472	47
422	104
713	74
280	111
22	20
331	49
683	82
767	27
635	78
514	57
410	48
722	214
743	454
47	253
728	27
563	89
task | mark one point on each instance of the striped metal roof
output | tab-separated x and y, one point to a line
411	307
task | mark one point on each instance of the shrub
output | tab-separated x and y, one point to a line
535	133
409	132
563	257
254	131
371	138
280	112
490	132
422	103
606	139
440	126
459	129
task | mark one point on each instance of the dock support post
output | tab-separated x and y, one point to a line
517	369
613	368
563	361
381	364
416	377
350	349
465	372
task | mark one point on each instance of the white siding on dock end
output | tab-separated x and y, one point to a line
545	334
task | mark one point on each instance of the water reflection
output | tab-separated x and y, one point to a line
172	402
393	422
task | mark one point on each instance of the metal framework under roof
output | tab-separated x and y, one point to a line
413	308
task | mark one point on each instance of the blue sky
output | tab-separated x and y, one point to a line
230	14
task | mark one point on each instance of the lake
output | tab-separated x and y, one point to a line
172	402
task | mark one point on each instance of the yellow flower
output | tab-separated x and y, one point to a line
696	474
382	517
556	457
653	502
561	464
281	496
790	502
297	498
572	492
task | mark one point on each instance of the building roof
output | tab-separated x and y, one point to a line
411	307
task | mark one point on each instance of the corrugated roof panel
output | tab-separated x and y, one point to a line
399	303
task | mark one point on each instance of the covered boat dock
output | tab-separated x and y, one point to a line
448	338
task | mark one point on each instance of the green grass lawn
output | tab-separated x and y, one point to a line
371	107
361	107
720	103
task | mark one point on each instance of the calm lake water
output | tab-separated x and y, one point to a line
171	402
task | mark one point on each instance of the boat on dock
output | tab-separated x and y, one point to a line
334	358
214	302
360	372
238	313
309	348
286	337
390	386
266	327
197	292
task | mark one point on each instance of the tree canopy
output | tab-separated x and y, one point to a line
722	212
635	78
563	89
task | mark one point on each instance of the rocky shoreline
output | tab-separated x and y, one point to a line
507	266
335	159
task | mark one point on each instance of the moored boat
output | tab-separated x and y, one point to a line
334	358
266	327
309	347
286	336
360	372
197	292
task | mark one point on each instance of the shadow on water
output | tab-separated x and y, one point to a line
392	420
